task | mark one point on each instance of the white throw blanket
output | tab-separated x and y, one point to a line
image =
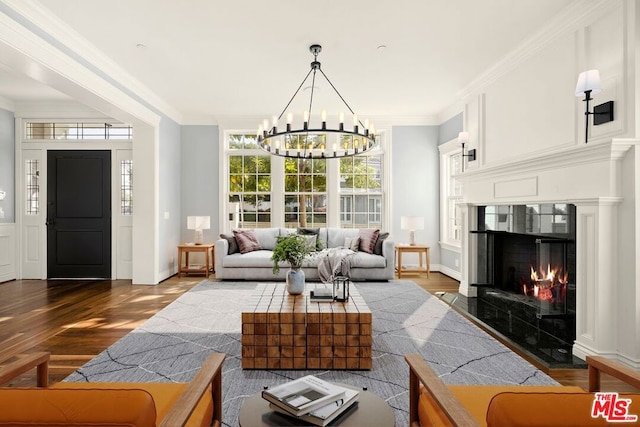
334	262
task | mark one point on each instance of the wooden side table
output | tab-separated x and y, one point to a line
186	268
420	250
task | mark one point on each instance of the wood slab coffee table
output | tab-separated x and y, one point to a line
282	331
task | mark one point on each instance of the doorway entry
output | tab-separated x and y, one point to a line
79	214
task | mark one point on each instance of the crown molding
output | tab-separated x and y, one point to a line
44	21
570	19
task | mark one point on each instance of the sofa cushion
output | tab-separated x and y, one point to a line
267	237
368	237
547	409
377	249
259	258
233	244
336	236
247	240
365	260
310	241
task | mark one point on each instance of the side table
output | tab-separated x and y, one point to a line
371	410
420	250
188	248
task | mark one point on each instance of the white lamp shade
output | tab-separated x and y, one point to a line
588	80
198	222
412	223
463	137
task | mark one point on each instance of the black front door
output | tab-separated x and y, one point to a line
79	214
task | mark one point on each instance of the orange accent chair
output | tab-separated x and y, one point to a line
433	403
197	403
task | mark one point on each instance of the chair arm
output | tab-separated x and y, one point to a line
420	373
209	374
39	360
598	364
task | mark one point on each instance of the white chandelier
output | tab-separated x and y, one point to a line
311	142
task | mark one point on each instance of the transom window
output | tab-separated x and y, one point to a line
74	131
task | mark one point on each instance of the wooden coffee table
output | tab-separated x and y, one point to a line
371	410
282	331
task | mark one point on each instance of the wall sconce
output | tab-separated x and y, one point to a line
588	84
198	223
463	138
3	194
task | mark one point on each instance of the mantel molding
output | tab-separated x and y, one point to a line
612	150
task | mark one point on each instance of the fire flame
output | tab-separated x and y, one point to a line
544	283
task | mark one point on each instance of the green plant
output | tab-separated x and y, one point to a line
292	248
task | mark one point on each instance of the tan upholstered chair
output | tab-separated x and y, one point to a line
198	402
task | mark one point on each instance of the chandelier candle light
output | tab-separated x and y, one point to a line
310	140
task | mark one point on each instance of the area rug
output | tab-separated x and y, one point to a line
171	346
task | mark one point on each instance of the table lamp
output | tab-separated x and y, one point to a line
412	223
198	223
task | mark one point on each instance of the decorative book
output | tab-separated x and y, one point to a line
301	396
328	413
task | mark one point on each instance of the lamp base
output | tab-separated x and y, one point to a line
197	239
412	238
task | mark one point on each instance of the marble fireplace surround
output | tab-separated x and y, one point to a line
602	181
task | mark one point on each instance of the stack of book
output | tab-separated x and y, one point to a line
321	295
311	400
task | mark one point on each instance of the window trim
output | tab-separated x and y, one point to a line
277	181
447	151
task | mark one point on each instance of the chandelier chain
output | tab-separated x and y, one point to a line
294	95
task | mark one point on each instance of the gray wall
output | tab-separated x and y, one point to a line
450	129
169	198
7	164
200	167
415	183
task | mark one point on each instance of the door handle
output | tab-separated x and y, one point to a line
49	222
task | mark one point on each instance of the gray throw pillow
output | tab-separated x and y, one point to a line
377	249
233	245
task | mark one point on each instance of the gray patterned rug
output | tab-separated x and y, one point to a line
171	346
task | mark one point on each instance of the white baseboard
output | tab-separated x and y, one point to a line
449	272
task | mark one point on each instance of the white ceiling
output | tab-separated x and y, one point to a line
220	58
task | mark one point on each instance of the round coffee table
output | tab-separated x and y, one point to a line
371	410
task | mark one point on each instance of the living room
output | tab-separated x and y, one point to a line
516	103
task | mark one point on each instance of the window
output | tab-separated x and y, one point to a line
126	187
450	194
361	192
32	180
275	191
305	197
250	182
66	131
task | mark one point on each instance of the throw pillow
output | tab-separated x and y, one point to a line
368	237
377	249
310	231
352	243
233	245
310	242
247	240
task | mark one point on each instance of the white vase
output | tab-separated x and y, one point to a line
295	281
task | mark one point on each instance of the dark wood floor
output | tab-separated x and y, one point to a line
76	320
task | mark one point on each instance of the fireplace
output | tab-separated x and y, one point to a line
525	278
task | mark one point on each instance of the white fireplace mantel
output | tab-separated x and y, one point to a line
603	181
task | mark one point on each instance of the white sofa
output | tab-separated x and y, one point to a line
257	265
